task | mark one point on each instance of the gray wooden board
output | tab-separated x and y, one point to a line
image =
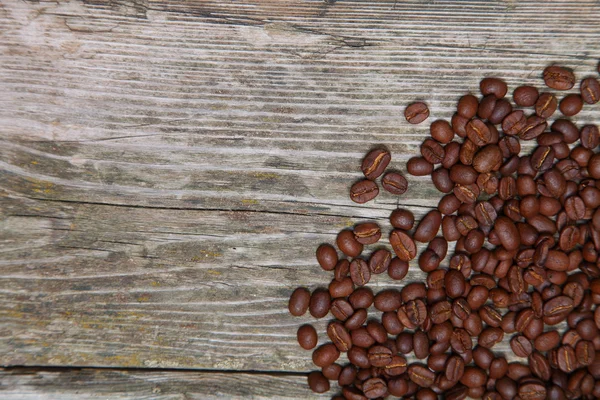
167	169
149	385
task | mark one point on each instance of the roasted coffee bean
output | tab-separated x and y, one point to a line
341	309
590	90
325	355
441	131
374	388
332	372
542	158
461	341
421	375
454	283
566	359
473	377
397	269
395	183
571	104
494	86
339	336
478	132
388	300
367	233
380	261
532	390
501	110
525	96
455	368
536	125
361	337
299	302
377	331
347	243
320	302
418	166
590	137
375	162
357	319
467	106
341	288
402	219
507	233
403	245
307	337
341	270
467	151
416	113
514	123
420	345
558	78
547	341
575	208
585	352
441	180
428	227
360	272
327	257
361	298
379	356
416	311
363	191
490	337
463	174
490	316
521	346
487	159
546	105
359	357
469	193
432	151
317	382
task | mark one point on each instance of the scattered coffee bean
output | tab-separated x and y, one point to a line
363	191
394	183
416	113
375	163
558	78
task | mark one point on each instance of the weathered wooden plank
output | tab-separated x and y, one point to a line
75	384
167	169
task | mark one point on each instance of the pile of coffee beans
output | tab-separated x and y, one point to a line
520	207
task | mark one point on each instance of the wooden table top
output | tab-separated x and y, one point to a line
168	168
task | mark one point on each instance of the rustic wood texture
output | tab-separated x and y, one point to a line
167	169
148	385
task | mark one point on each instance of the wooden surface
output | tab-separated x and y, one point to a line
167	169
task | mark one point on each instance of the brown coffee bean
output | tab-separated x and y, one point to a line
367	233
416	311
461	341
416	113
487	159
299	302
421	345
317	382
341	270
542	158
455	368
403	245
357	319
421	375
379	356
507	233
380	261
532	390
397	269
490	316
374	388
428	227
525	96
467	193
502	109
432	151
360	272
388	300
418	166
341	288
327	257
478	132
339	336
467	106
441	131
535	125
590	137
585	352
320	302
375	162
521	346
325	355
571	104
341	309
494	86
547	341
395	183
347	243
467	151
473	377
332	372
307	337
402	219
558	78
546	105
491	336
514	123
442	181
359	357
566	359
363	191
590	90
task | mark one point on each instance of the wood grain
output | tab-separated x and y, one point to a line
167	169
75	384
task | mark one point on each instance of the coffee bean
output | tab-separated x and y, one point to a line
377	331
347	243
320	302
566	359
432	151
546	105
461	308
307	337
332	372
357	319
590	137
507	233
514	123
403	245
441	131
341	288
397	269
558	78
441	180
388	300
341	270
359	357
467	151
490	337
380	261
416	311
341	309
532	390
521	346
487	106
360	272
395	183
339	336
467	106
467	193
473	377
416	113
402	219
374	388
325	355
571	104
421	375
375	162
327	257
361	298
487	159
317	382
525	96
590	90
367	233
490	316
379	356
428	227
494	86
501	110
478	132
534	127
299	302
585	352
461	341
363	191
575	208
418	166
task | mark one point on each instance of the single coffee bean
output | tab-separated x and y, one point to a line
461	341
317	382
361	298
341	288
571	104
362	338
388	300
307	337
374	388
441	180
463	174
367	233
377	331
347	375
478	132
473	377
428	227
455	368
299	302
416	312
585	352
501	110
494	86
332	372
380	261
402	219
357	319
421	375
490	337
341	309
507	233
467	106
487	159
461	308
360	272
403	245
416	113
467	151
546	105
514	123
594	166
418	166
521	346
535	125
395	183
341	271
532	390
327	257
363	191
590	90
525	96
432	151
566	359
320	303
375	162
397	269
421	345
558	78
359	357
379	356
347	243
441	131
590	137
325	355
339	336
